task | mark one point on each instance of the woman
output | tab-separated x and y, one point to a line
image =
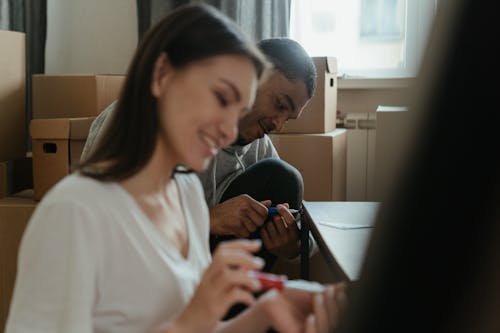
122	245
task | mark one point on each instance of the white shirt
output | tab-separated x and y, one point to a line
91	261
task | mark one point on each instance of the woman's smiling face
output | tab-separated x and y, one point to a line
200	104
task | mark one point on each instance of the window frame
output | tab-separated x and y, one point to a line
417	27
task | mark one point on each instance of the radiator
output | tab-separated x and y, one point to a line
361	136
376	145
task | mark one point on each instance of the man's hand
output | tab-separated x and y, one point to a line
280	235
238	216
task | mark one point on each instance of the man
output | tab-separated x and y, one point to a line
246	178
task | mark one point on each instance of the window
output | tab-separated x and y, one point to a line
382	20
369	38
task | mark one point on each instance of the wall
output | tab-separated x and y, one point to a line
90	36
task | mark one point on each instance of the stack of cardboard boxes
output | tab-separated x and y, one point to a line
15	170
64	107
12	107
312	144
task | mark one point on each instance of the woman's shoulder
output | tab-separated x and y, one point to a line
188	180
78	188
74	203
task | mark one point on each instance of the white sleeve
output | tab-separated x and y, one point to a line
56	279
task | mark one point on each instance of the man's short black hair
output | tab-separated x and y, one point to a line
290	58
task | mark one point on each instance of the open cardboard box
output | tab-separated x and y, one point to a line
319	116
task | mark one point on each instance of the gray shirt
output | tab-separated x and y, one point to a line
229	163
96	130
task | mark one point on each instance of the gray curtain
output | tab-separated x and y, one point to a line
30	17
259	19
4	15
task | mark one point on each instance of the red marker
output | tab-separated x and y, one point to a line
280	282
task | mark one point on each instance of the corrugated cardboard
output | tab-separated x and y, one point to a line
73	96
15	213
12	95
319	116
57	146
15	176
320	158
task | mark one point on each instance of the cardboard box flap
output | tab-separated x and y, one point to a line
325	64
61	128
331	64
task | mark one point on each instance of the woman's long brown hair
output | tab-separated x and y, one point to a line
189	33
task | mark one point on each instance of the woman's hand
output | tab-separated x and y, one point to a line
293	311
328	308
224	283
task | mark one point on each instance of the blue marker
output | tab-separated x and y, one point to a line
273	210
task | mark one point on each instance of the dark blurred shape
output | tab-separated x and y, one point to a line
433	264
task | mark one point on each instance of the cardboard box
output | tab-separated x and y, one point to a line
73	96
319	116
320	158
57	146
15	176
15	213
394	126
13	136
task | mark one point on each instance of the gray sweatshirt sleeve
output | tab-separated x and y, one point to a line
96	130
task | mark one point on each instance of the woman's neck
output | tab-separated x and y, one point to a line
154	177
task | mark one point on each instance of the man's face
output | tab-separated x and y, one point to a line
278	99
